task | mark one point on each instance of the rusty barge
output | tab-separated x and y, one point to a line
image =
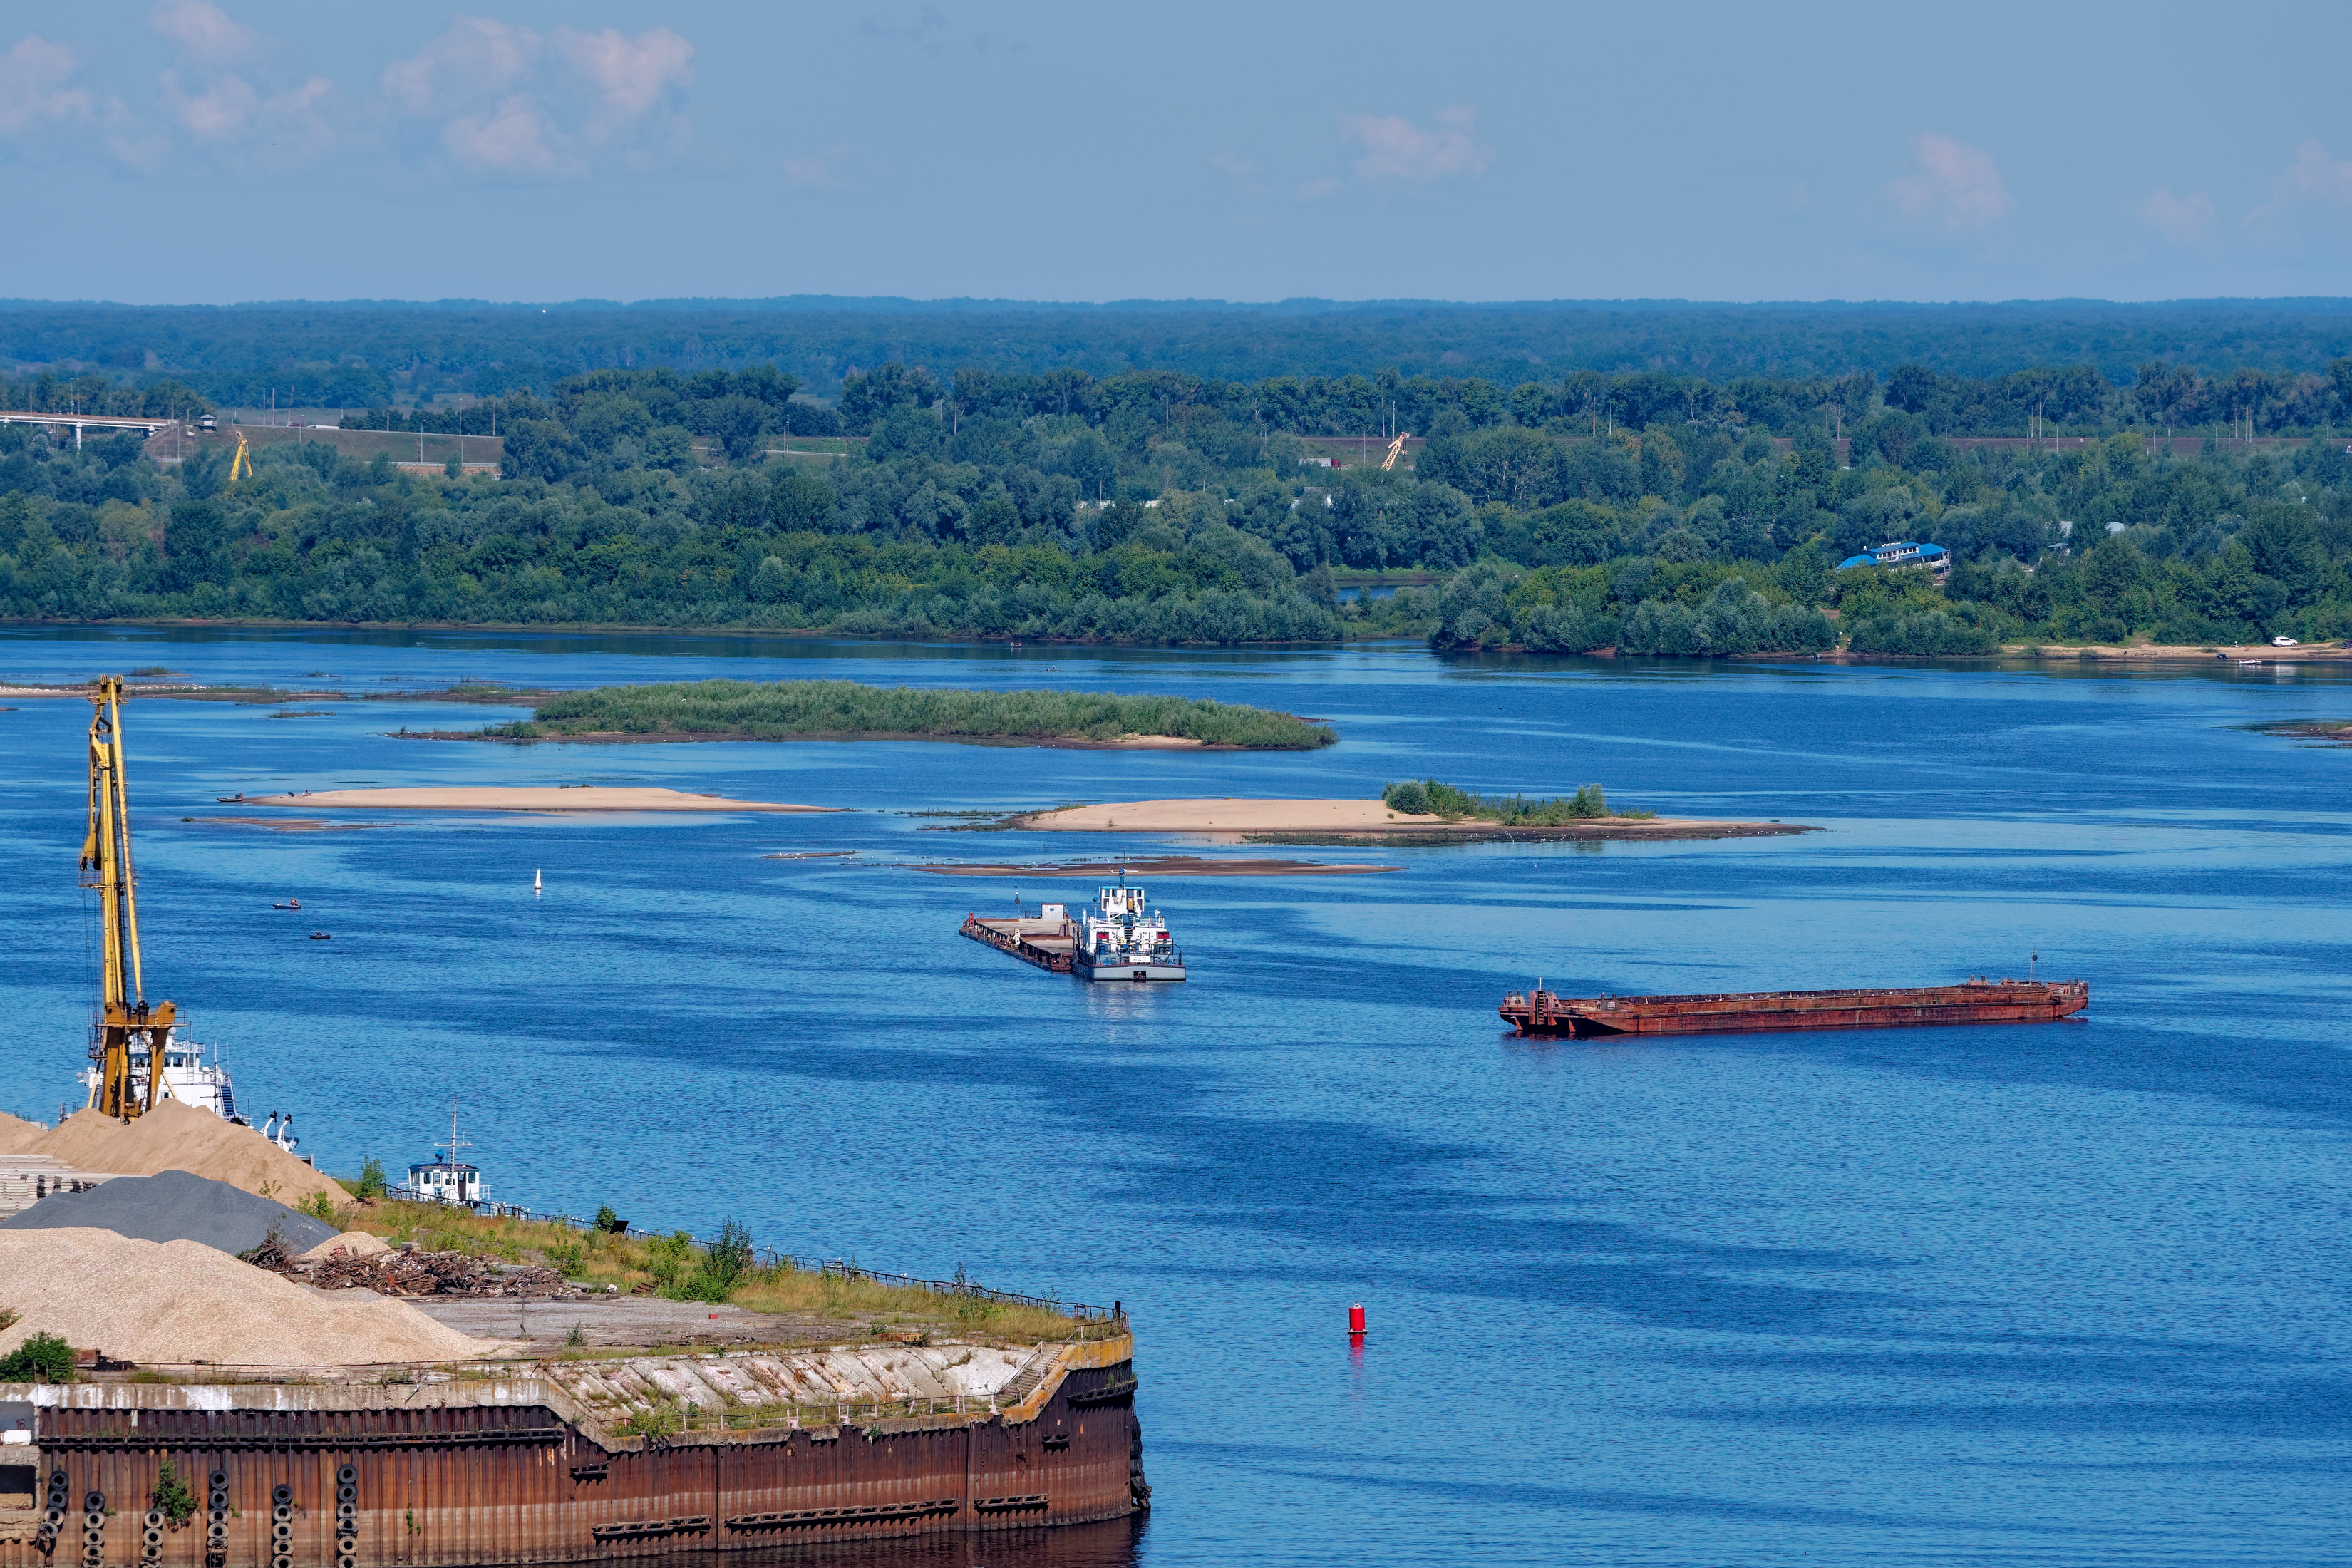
1976	1001
1045	941
566	1461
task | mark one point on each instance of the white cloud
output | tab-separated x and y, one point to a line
630	75
33	90
1395	149
513	101
1951	183
819	171
204	31
2314	176
476	57
510	139
1318	189
2185	219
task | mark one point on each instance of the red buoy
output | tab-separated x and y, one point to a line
1356	1319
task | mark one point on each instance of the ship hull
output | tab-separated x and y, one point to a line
2003	1002
1094	967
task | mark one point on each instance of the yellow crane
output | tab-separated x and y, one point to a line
240	460
127	1022
1396	450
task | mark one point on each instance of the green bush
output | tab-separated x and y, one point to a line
373	1183
172	1496
1431	796
43	1358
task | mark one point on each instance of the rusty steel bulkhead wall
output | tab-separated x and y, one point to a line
462	1485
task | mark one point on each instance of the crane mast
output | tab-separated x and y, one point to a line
126	1021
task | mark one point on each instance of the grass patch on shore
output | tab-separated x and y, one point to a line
779	711
676	1268
1430	797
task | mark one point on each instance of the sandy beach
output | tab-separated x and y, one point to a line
520	797
1365	816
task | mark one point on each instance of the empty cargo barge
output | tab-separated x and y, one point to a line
566	1461
1734	1013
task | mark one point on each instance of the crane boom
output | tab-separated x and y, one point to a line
126	1019
1396	450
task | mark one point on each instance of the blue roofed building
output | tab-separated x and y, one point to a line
1904	552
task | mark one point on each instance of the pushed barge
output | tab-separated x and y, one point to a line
1735	1013
511	1463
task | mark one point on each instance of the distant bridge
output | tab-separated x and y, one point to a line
145	426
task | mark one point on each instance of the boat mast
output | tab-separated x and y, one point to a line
124	1012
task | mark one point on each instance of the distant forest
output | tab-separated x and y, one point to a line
369	354
1559	510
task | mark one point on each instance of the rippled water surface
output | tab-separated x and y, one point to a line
2063	1294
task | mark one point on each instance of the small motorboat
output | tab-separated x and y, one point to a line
289	904
322	936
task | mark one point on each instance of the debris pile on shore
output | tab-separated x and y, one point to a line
177	1302
178	1137
403	1273
176	1206
16	1136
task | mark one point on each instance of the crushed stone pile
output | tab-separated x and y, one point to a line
181	1301
16	1136
178	1137
421	1274
351	1244
175	1206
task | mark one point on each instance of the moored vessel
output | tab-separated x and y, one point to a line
1974	1001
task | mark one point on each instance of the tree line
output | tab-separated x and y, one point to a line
1161	508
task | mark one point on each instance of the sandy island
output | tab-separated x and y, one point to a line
521	797
1370	818
1167	866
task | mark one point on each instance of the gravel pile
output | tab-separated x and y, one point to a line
175	1206
178	1137
180	1301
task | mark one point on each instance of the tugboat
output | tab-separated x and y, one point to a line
1121	939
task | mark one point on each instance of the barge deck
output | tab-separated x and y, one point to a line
1046	942
1730	1012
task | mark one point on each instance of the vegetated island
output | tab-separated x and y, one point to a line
521	797
1165	866
1419	812
851	710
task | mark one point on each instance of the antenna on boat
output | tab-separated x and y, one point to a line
2031	959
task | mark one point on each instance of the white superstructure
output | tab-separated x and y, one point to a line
187	1076
1122	938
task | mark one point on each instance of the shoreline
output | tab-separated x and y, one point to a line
520	797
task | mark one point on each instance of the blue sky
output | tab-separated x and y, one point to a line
222	150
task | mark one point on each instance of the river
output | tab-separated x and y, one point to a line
2067	1294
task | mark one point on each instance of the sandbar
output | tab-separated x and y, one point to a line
521	797
1360	818
1168	865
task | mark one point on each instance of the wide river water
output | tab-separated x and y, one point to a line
2051	1295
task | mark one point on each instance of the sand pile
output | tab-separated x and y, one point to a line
351	1244
175	1206
16	1136
178	1137
178	1301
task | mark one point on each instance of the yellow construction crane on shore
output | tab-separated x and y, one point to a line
126	1021
239	461
1396	450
